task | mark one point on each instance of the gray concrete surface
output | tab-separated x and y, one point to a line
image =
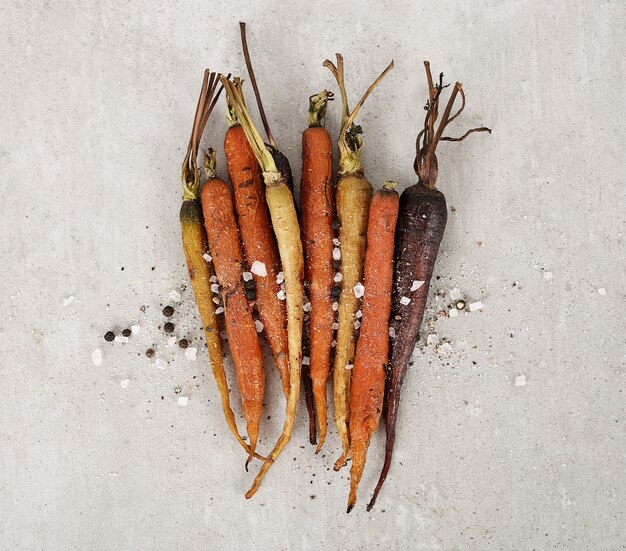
96	104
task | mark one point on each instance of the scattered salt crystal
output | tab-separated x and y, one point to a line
247	276
160	363
207	257
258	325
281	294
335	306
338	277
335	326
475	306
392	332
357	324
171	341
306	360
213	278
358	314
455	294
349	367
336	242
96	357
453	313
602	291
224	335
548	276
121	338
416	285
336	253
258	268
182	401
445	348
405	300
359	290
280	277
215	288
174	295
190	353
432	339
135	329
306	306
333	344
68	300
124	383
520	380
219	310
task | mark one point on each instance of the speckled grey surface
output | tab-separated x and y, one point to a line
96	105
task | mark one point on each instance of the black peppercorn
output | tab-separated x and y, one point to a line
126	333
150	352
109	336
168	327
168	311
183	343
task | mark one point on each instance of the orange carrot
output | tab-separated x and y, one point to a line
370	364
223	238
258	240
317	196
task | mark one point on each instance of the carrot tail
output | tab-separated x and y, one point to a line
253	435
319	393
358	450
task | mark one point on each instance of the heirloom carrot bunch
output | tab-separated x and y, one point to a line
353	200
287	229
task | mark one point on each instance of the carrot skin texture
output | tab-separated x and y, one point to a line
318	210
353	197
223	238
421	224
370	364
258	243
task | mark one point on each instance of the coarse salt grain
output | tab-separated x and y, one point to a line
335	306
548	276
306	306
349	367
215	288
358	314
135	329
336	253
405	300
359	290
453	313
455	294
258	326
445	348
333	344
602	291
520	380
306	360
96	357
416	285
213	279
475	306
392	332
258	268
335	326
161	364
280	277
432	339
219	310
336	242
175	295
124	383
207	257
191	353
247	276
121	338
281	294
68	300
182	401
357	324
338	277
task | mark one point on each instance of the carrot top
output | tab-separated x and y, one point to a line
206	102
317	107
350	142
425	160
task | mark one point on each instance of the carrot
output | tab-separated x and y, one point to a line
287	229
223	238
370	364
318	210
258	240
353	199
421	224
196	249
